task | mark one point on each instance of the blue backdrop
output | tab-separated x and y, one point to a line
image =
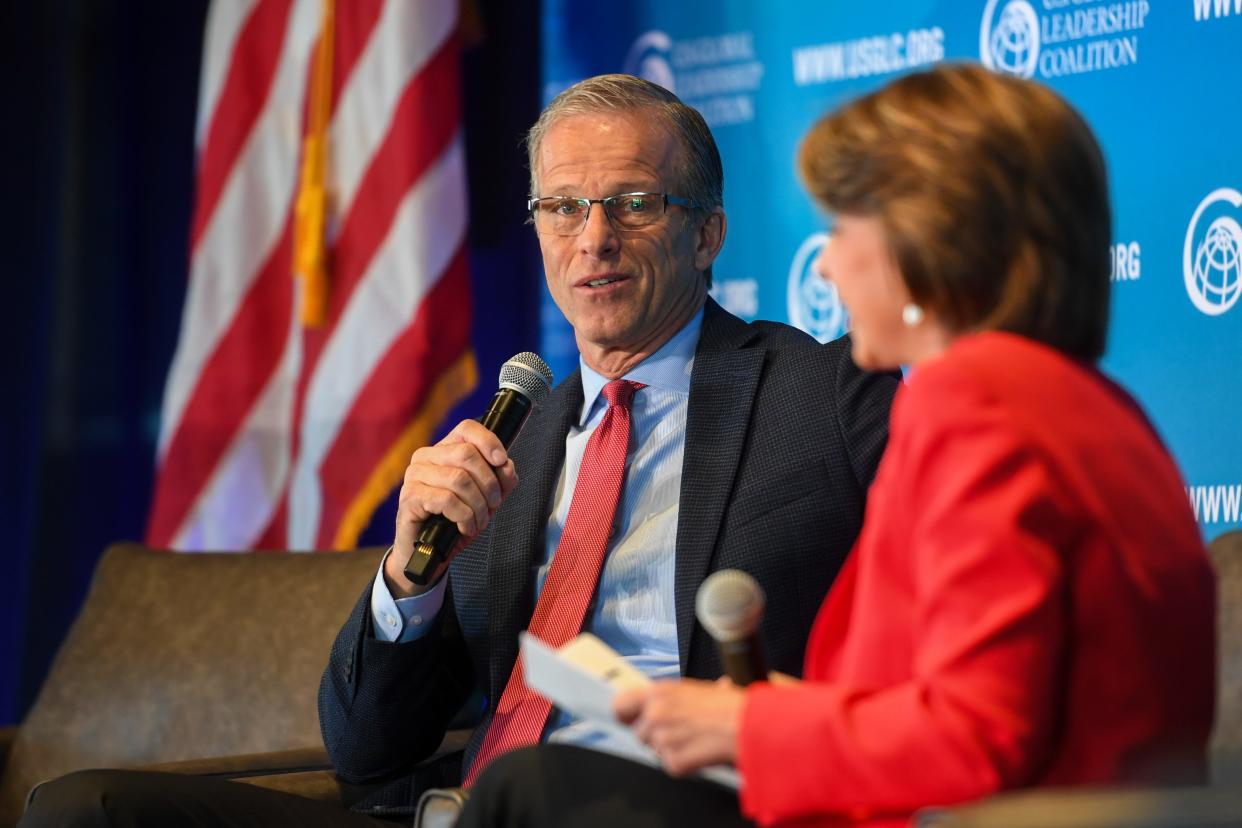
95	231
1155	78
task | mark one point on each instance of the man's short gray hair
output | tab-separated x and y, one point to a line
699	174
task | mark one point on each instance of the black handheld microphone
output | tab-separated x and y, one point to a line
524	381
729	605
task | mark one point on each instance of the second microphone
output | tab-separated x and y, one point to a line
729	605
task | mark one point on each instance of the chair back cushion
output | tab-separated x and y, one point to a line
182	656
1226	749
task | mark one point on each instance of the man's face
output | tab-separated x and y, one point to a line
625	291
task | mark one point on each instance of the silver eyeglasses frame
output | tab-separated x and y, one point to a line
611	204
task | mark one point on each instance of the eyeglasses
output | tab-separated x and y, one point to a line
566	216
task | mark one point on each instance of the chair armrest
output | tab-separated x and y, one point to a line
7	735
1190	807
294	760
305	772
320	785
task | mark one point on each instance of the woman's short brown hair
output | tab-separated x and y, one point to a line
993	196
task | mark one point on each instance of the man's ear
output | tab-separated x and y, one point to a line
710	239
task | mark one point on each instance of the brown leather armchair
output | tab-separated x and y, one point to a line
1226	748
200	663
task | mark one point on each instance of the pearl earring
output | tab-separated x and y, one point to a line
912	315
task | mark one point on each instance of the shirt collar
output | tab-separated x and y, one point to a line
667	369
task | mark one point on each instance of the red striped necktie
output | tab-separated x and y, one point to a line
521	714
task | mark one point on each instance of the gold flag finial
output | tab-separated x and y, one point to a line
310	251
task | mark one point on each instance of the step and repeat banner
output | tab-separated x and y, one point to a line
1157	79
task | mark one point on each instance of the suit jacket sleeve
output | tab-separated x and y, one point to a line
978	706
385	706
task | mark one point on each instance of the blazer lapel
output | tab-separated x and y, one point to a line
722	391
518	528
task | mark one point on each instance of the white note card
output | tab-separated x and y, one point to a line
582	677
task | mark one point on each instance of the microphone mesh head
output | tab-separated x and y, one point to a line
527	374
729	605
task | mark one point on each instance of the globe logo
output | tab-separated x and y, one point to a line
648	58
1212	263
1217	262
812	303
1012	44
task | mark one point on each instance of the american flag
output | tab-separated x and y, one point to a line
329	144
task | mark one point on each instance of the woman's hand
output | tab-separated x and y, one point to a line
691	724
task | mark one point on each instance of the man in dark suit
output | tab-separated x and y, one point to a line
719	444
751	447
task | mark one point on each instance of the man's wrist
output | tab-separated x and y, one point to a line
399	585
400	618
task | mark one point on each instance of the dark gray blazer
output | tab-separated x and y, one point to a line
782	439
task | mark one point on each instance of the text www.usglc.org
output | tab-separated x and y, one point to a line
1216	504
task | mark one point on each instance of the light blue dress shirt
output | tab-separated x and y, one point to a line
634	613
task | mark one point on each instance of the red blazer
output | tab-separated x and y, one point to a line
1029	603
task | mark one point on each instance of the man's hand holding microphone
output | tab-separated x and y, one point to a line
452	489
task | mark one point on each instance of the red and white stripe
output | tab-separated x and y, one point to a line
276	435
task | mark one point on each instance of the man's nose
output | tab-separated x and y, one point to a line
598	237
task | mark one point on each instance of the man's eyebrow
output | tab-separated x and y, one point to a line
650	185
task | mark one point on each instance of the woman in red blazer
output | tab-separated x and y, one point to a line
1029	602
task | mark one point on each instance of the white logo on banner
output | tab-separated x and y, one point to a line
648	58
813	304
1012	44
716	74
1093	35
1212	256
